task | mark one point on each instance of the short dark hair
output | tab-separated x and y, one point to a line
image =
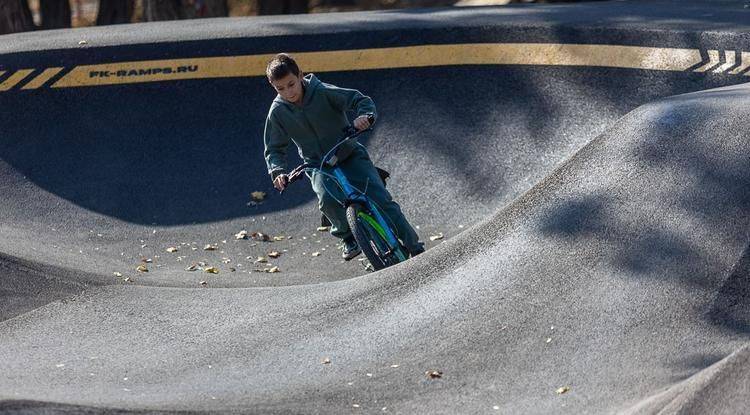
280	66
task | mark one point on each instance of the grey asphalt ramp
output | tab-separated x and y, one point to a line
595	220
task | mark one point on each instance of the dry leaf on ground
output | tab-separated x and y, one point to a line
141	268
241	234
436	237
172	249
274	254
212	270
210	247
562	390
434	374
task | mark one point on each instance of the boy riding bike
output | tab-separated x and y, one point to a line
313	115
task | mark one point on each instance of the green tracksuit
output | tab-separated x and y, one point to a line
315	127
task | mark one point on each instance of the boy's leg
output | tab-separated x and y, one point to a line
335	213
360	171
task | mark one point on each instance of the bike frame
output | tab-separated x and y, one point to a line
354	195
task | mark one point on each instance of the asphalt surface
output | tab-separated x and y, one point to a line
594	222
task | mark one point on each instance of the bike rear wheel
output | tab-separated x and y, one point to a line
372	239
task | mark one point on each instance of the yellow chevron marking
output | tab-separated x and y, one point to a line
42	78
713	60
15	79
635	57
745	58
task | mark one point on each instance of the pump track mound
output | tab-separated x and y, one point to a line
586	165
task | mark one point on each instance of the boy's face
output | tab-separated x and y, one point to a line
289	87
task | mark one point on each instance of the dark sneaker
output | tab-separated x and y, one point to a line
416	252
351	249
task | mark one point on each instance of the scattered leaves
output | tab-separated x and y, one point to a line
323	228
274	254
261	259
241	235
172	249
274	269
279	238
212	270
83	42
258	196
210	247
147	260
434	374
141	268
315	254
436	237
118	275
127	279
562	390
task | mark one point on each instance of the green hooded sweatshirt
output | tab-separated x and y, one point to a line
315	127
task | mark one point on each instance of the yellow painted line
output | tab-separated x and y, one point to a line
635	57
15	79
43	77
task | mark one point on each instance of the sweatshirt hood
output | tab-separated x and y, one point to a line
310	84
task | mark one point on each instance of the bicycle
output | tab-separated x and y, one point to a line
368	224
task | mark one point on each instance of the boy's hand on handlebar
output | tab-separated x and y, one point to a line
280	182
362	122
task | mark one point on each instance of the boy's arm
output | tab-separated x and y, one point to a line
276	142
350	100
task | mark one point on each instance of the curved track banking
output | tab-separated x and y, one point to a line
591	186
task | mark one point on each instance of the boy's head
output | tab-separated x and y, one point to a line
285	77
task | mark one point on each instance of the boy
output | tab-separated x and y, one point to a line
313	115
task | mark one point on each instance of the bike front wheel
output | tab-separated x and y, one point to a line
372	238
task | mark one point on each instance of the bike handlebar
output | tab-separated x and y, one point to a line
350	132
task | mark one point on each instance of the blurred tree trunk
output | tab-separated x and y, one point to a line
15	16
155	10
115	12
205	8
282	6
55	14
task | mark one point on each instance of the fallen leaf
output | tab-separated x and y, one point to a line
394	366
118	275
172	249
212	270
241	235
193	267
210	247
562	390
141	268
226	260
323	228
315	254
258	196
279	238
127	279
326	361
83	42
147	260
258	236
261	260
203	283
274	254
549	339
436	237
274	269
434	374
